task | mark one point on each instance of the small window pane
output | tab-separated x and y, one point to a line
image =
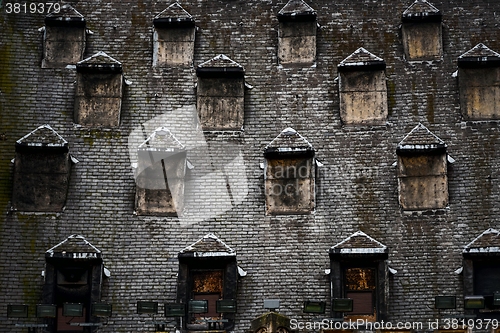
208	281
358	279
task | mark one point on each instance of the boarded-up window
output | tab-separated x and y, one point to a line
363	89
160	175
423	181
64	38
289	174
422	171
99	90
220	94
173	38
297	33
479	83
422	32
290	185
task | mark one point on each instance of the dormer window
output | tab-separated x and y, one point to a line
41	171
99	91
208	274
221	94
74	273
64	38
363	89
481	268
297	33
422	32
422	171
160	175
289	174
173	38
358	272
478	73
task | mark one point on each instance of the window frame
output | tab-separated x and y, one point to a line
378	260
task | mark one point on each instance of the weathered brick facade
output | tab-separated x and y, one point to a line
284	256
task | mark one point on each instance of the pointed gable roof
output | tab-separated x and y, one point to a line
74	247
297	10
162	139
42	137
487	242
289	142
361	59
67	15
173	16
421	10
359	243
420	139
479	56
162	146
99	62
220	65
208	246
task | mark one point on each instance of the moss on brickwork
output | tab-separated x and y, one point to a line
6	54
93	135
391	96
430	108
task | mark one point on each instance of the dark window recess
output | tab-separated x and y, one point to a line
42	169
297	33
481	271
422	32
64	38
72	276
73	279
359	272
207	271
486	278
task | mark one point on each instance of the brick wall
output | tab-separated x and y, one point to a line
285	256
